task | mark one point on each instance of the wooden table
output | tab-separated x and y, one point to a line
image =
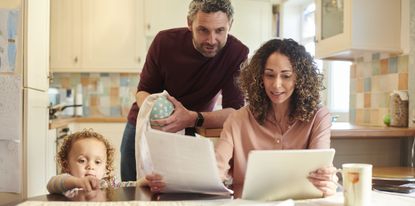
126	194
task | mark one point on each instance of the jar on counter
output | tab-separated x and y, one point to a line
399	109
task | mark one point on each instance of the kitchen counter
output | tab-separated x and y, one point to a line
344	130
62	122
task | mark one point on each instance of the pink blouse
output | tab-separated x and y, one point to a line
242	133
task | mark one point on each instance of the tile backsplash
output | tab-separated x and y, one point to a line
103	94
371	82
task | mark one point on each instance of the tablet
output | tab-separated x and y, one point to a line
282	174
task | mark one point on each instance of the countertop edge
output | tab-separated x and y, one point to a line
63	122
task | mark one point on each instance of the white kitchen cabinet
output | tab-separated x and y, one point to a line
36	49
252	22
35	99
65	35
252	19
35	136
164	14
97	36
346	29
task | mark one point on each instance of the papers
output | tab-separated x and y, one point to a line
187	164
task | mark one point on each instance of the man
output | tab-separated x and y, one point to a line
194	65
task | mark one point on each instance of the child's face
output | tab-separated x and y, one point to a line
88	157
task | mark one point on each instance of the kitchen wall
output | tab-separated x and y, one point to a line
372	79
103	94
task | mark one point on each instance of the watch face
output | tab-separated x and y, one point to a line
199	120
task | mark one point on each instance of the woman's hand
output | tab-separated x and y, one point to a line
155	182
325	179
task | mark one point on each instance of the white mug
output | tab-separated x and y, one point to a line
357	184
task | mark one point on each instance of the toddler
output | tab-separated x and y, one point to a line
86	162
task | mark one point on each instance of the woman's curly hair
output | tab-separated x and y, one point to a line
309	81
63	154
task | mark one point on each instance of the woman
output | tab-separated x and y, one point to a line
281	84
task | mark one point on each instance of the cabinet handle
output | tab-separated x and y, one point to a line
75	59
138	59
148	26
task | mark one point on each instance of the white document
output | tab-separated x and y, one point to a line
187	163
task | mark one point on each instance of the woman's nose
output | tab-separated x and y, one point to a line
277	82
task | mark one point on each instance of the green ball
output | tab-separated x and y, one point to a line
387	120
162	108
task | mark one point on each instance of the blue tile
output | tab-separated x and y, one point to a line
86	111
393	65
367	84
124	81
115	112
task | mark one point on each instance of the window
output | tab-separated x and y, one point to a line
337	73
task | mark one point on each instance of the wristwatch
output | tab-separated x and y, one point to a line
199	120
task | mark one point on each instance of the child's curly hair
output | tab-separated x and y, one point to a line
63	154
305	98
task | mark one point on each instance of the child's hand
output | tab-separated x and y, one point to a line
88	183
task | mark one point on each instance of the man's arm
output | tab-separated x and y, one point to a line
140	97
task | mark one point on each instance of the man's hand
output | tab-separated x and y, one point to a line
180	119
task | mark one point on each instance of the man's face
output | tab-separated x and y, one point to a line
210	32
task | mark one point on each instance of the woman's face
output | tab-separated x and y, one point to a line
279	78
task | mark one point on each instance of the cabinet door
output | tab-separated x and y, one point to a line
349	29
252	22
37	45
164	14
111	35
333	29
35	133
65	35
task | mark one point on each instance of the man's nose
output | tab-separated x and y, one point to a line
211	38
